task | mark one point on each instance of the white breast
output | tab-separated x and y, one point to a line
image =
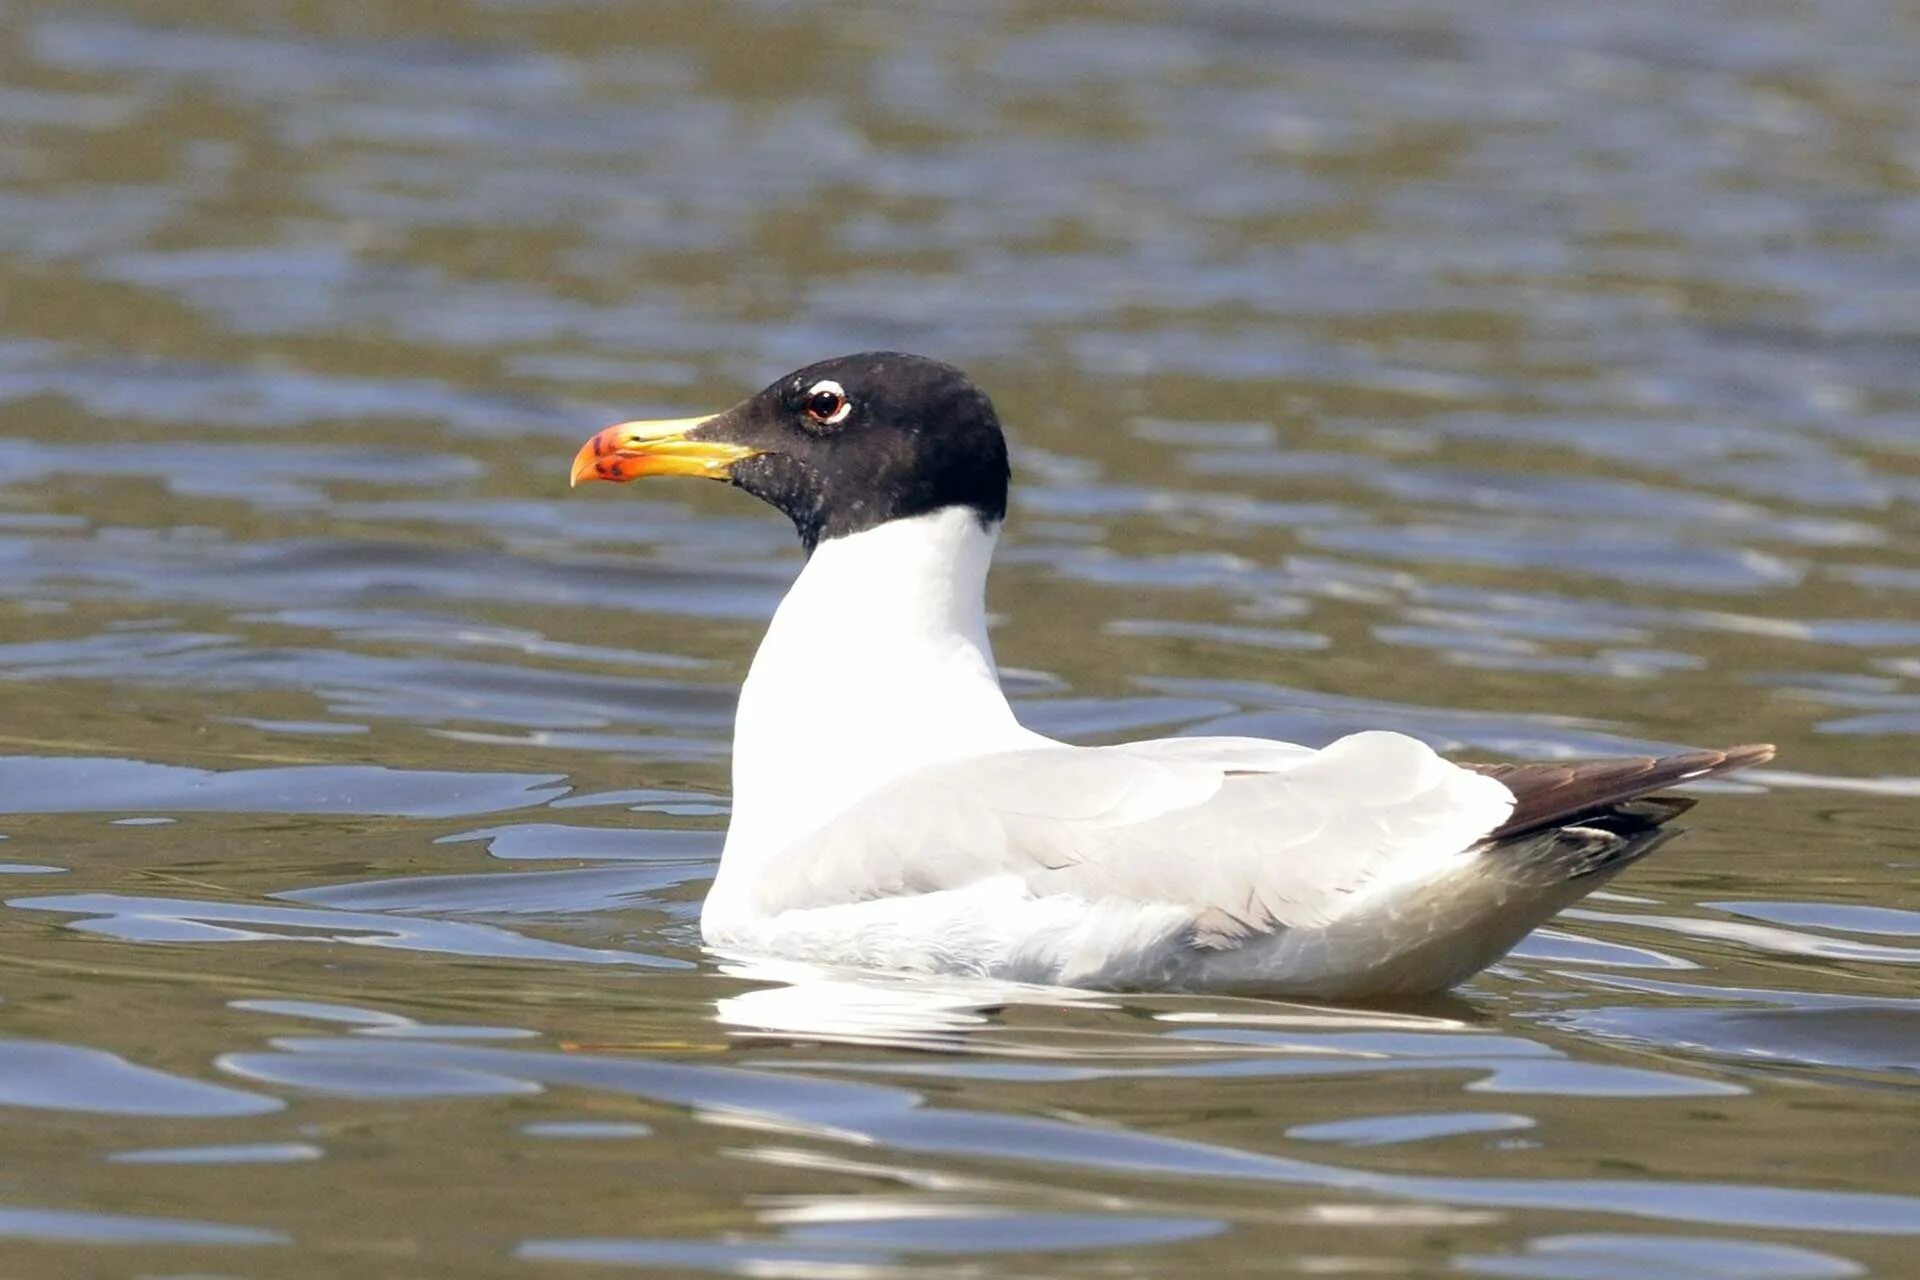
876	663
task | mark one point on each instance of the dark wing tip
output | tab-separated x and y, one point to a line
1549	794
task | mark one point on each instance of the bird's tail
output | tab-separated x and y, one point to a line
1576	826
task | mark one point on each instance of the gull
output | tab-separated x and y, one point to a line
891	813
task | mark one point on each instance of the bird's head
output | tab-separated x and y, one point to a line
840	446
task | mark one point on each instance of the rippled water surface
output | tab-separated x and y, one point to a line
1540	379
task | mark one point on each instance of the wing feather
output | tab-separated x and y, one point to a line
1245	835
1553	794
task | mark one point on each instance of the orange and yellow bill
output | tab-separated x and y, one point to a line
633	450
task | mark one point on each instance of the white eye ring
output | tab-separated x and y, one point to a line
827	403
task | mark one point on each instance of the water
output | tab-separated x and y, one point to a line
1537	379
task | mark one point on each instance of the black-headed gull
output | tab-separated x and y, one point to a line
889	812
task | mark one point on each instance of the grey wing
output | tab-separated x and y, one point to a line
1243	835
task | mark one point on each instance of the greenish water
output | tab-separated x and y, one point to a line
1538	379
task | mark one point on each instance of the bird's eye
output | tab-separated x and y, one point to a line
826	403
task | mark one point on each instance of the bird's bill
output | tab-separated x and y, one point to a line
633	450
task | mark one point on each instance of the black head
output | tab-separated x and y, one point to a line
840	446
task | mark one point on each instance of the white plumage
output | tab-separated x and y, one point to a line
890	812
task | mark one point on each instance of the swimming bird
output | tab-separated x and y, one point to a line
889	811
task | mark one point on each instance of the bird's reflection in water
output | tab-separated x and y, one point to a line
831	1004
855	1006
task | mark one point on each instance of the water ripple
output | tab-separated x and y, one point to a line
1535	380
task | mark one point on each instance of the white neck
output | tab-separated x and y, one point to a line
876	663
